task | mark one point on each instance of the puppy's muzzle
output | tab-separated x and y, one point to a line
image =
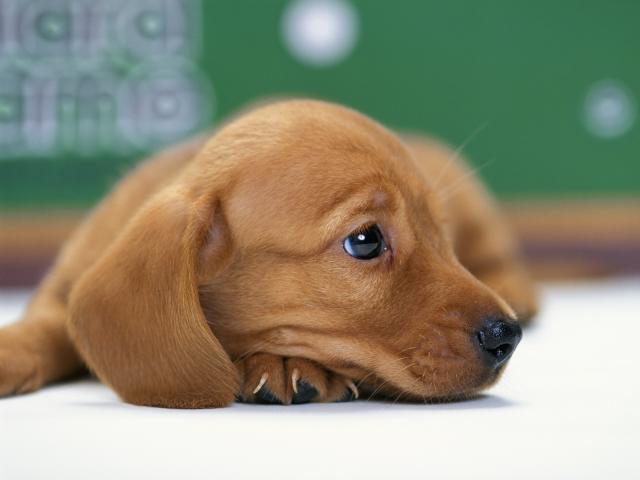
498	339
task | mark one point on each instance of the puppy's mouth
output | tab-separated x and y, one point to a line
429	374
450	381
455	362
418	373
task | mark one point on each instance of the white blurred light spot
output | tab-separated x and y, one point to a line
320	32
52	25
166	104
150	24
609	109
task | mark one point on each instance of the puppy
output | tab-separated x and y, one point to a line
301	253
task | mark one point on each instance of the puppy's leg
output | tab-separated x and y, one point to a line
482	239
37	350
273	379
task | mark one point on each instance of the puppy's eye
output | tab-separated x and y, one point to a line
365	244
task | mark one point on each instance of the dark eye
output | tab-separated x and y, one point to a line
365	244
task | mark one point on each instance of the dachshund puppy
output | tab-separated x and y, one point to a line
301	253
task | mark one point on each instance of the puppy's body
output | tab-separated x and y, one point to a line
241	235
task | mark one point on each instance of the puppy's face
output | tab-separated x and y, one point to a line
330	245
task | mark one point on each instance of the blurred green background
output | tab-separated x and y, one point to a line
546	92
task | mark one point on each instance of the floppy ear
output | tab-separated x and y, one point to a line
135	315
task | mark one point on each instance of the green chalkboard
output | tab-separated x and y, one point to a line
550	88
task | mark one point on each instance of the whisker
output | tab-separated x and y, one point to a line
387	381
397	360
451	189
402	393
376	390
456	153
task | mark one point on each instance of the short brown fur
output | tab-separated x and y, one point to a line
219	263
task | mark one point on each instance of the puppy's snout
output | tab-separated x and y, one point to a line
498	339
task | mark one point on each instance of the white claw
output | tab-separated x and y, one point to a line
295	375
263	380
353	388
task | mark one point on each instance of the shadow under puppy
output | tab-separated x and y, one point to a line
299	253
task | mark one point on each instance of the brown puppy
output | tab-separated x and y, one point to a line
300	250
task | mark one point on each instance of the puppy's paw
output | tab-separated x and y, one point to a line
272	379
20	371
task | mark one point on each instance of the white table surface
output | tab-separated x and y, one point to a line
567	407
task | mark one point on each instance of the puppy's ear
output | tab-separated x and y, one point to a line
135	315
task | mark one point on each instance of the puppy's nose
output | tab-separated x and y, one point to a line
498	339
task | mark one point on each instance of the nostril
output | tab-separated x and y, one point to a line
501	351
498	339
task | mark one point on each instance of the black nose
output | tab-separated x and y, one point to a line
498	339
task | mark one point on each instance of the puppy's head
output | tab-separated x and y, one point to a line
326	242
